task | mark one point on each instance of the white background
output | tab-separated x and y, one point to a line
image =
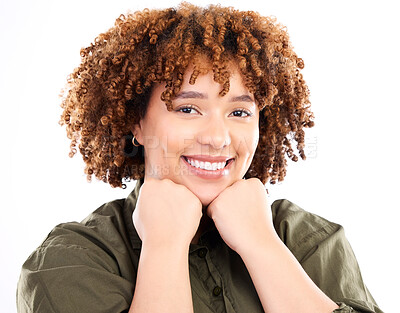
351	54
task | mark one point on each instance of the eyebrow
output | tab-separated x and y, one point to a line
199	95
242	98
191	95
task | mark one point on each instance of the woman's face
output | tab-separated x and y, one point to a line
206	142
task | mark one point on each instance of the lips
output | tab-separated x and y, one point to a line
207	162
208	167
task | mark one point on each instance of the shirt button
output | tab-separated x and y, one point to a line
217	291
202	253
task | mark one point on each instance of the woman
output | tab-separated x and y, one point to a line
201	106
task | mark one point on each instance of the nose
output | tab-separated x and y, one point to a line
215	133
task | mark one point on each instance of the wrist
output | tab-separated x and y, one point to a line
165	247
267	244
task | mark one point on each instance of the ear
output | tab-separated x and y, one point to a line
138	132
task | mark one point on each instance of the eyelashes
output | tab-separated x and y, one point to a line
242	111
191	109
187	109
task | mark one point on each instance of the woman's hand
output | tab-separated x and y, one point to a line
166	218
242	215
244	220
166	213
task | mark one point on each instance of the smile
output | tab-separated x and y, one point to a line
206	167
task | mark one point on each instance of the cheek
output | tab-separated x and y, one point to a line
245	141
254	137
179	138
153	141
254	141
168	139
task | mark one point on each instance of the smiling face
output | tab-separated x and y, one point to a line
207	141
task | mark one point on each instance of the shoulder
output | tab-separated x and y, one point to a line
101	233
95	252
299	229
323	251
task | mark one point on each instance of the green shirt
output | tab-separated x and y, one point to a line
91	266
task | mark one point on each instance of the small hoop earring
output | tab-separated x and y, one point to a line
134	140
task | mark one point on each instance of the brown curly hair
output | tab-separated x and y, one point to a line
109	91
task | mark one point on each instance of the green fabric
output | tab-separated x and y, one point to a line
91	266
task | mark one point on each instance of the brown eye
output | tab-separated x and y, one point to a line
241	113
187	110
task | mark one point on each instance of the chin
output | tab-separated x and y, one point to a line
206	192
205	201
206	197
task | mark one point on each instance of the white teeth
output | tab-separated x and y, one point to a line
206	165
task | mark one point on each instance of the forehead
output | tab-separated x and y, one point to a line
200	76
205	87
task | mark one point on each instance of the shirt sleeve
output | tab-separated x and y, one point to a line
71	272
325	254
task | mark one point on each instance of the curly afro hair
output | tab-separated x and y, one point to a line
109	91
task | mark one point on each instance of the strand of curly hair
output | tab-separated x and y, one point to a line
109	90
